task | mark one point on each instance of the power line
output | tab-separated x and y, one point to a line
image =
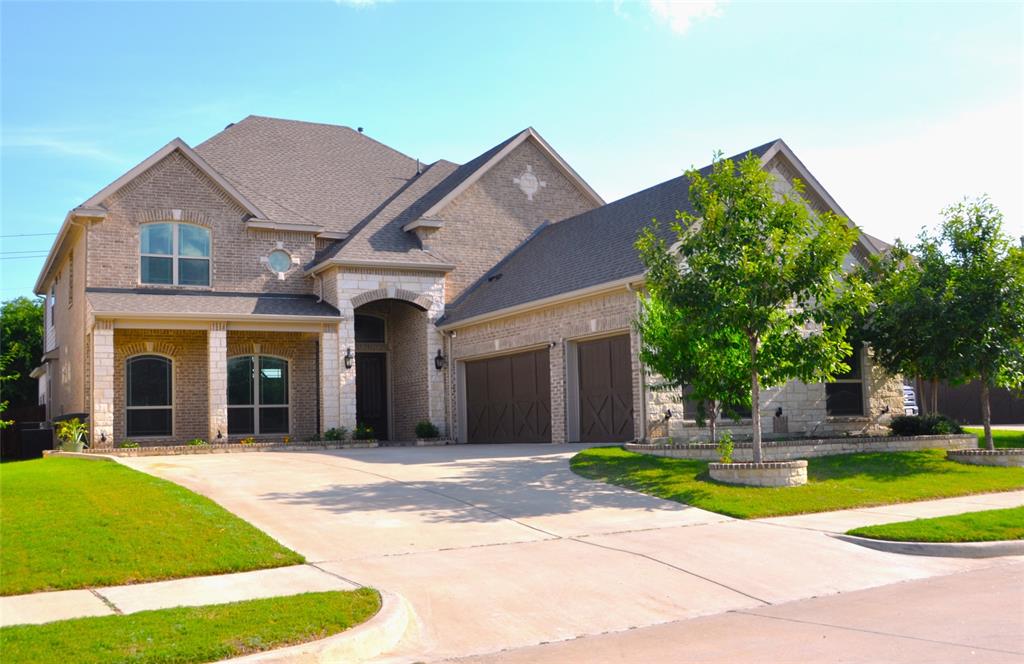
27	234
14	258
26	251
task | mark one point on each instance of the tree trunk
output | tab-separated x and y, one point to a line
935	397
713	421
755	402
986	413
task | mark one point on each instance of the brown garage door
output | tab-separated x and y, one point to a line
508	399
606	390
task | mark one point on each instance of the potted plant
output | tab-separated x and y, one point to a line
72	434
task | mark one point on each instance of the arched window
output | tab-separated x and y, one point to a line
149	396
174	253
257	395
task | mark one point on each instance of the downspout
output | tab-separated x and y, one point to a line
451	389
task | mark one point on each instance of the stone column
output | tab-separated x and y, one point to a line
436	379
347	376
217	381
101	419
330	379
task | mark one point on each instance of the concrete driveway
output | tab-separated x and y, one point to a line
502	546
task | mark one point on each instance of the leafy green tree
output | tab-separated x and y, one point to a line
711	366
986	298
952	307
756	261
21	345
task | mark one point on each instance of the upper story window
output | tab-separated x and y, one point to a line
175	254
53	301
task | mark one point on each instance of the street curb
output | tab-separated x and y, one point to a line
377	635
941	549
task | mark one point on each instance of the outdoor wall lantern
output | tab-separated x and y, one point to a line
668	414
219	434
103	437
348	358
439	360
778	412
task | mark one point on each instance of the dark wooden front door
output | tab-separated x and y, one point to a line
606	390
372	392
508	399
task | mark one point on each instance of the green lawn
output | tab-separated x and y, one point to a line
987	526
1001	437
190	634
836	482
73	523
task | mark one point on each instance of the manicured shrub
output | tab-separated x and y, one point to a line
426	429
923	425
336	433
363	432
128	444
196	442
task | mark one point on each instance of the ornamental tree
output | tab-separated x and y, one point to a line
676	346
21	345
757	261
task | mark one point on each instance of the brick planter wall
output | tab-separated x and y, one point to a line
785	450
779	473
1002	457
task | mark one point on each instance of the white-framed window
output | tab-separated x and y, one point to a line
149	396
279	261
844	396
53	302
174	254
257	395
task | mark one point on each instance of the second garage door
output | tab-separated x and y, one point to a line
508	399
606	390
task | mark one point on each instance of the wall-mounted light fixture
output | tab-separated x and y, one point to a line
668	414
439	360
778	412
219	434
348	358
103	437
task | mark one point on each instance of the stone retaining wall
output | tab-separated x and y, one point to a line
1001	457
779	473
786	450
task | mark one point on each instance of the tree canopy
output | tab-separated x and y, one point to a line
21	345
753	259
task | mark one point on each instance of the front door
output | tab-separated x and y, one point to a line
372	393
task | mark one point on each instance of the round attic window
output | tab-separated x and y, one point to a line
280	261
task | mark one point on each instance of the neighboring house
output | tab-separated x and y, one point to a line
285	278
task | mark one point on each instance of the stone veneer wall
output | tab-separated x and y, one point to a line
805	449
556	326
783	473
1011	457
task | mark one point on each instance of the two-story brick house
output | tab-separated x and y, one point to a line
285	278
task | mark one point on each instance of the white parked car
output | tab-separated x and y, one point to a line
909	401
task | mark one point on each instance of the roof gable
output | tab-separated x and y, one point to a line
96	201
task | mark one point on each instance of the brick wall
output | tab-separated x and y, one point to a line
493	216
174	189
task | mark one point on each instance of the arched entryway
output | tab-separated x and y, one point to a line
391	367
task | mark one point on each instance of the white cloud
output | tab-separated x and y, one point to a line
681	14
895	182
54	142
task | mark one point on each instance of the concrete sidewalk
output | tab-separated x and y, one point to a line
840	521
37	608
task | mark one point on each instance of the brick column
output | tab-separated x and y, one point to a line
101	419
330	378
217	381
556	359
347	377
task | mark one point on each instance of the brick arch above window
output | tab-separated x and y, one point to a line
272	349
171	215
126	351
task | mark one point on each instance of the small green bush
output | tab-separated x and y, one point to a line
128	445
426	429
923	425
725	447
362	432
195	442
336	433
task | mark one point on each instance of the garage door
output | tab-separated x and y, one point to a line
606	390
508	399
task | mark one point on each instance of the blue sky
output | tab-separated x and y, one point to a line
898	109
